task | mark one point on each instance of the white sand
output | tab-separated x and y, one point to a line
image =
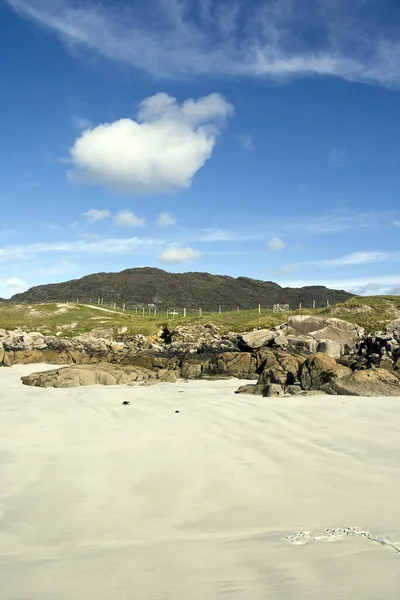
100	501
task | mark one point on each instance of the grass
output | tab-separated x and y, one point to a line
373	313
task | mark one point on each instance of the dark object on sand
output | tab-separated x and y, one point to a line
126	402
176	411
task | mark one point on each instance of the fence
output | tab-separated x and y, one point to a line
152	310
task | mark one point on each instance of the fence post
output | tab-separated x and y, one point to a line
155	312
200	312
77	300
98	301
143	310
313	303
259	309
123	307
184	312
300	306
237	308
219	309
327	304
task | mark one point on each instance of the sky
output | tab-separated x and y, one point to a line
256	138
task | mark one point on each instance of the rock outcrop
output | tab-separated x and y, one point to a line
310	334
100	374
371	382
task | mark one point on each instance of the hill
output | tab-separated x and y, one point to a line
143	286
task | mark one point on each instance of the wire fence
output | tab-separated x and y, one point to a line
152	310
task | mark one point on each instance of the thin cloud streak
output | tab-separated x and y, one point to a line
117	246
227	38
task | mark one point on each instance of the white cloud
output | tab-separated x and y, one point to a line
289	269
270	40
81	123
165	220
367	289
14	282
174	254
338	158
126	218
358	258
116	246
162	150
97	215
246	141
276	244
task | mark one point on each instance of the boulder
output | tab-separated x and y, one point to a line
318	370
372	382
393	328
325	328
271	390
258	338
85	375
236	364
274	390
251	389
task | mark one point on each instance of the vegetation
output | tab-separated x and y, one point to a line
373	313
144	286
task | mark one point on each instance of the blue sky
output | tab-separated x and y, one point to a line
240	137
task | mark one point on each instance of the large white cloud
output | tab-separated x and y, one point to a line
161	150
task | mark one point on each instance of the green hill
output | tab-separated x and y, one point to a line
144	286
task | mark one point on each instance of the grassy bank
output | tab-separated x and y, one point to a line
373	313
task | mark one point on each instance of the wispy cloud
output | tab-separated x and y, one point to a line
289	269
97	215
357	258
269	38
338	157
337	221
246	141
117	246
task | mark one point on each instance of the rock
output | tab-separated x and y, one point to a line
253	389
318	370
236	364
84	375
393	328
273	390
258	338
167	376
325	329
293	390
192	366
20	340
331	348
302	343
372	382
275	375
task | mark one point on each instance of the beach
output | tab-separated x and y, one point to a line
191	492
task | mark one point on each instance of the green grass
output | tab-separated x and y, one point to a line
373	313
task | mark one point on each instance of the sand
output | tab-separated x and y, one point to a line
100	501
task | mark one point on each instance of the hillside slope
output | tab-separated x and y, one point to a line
143	286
